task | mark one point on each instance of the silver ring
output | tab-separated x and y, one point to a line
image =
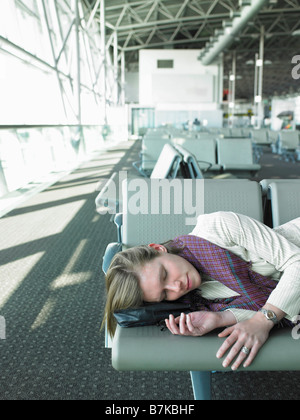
245	350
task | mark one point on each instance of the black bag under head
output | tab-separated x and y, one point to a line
150	314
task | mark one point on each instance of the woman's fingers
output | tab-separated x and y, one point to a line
181	325
190	324
171	324
243	343
246	356
238	351
235	345
227	343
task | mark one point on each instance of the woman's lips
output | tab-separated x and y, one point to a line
188	285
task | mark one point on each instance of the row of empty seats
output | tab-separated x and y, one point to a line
213	155
231	131
149	348
286	143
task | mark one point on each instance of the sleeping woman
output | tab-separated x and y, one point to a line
238	273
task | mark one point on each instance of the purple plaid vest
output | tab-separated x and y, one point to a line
222	265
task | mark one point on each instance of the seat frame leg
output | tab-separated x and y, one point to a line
201	382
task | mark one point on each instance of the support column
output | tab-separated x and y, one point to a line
260	77
78	69
123	99
78	138
201	382
258	82
231	99
116	69
103	53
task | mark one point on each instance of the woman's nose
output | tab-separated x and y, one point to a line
174	287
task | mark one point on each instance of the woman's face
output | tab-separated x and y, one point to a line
167	277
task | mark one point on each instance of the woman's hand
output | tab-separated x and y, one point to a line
199	323
245	339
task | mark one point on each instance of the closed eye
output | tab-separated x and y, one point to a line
164	295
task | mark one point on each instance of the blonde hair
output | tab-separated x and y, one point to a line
122	282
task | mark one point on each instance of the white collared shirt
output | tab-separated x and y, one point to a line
273	252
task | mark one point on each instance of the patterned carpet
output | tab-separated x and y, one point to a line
52	297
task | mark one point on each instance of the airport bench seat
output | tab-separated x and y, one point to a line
150	348
260	137
285	200
153	349
265	184
289	139
204	151
158	223
150	152
192	165
288	143
166	164
237	155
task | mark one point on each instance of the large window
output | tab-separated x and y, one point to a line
54	89
48	63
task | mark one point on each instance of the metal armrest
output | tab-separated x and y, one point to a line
208	167
111	250
119	222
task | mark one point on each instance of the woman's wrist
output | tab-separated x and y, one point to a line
226	318
278	312
264	320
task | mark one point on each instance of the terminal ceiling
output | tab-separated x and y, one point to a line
191	24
